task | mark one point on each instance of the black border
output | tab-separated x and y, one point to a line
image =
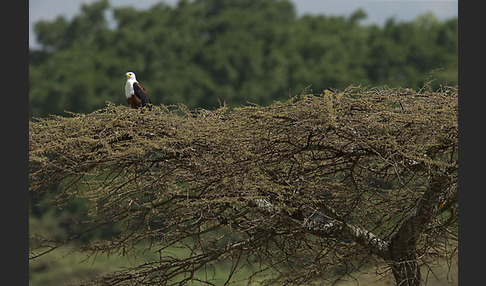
472	145
14	138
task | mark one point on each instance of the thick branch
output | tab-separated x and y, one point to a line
332	228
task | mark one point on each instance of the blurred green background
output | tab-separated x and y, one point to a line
199	52
204	52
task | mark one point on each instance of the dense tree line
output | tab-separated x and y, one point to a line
204	51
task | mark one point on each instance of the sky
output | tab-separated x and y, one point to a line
378	11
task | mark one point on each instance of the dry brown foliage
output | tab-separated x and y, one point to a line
319	182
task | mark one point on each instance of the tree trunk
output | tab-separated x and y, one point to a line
406	273
403	257
402	251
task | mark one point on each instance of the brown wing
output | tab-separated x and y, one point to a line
141	93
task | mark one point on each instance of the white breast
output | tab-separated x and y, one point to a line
129	88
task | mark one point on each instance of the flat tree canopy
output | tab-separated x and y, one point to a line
310	189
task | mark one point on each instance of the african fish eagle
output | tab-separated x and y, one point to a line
134	91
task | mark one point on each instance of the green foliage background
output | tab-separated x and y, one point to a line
204	51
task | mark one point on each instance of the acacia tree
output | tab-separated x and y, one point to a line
311	189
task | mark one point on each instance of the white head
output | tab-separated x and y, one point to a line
129	84
130	76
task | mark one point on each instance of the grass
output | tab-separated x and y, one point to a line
443	276
62	268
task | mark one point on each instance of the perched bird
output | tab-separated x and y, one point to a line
134	91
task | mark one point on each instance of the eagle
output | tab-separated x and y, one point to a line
135	93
